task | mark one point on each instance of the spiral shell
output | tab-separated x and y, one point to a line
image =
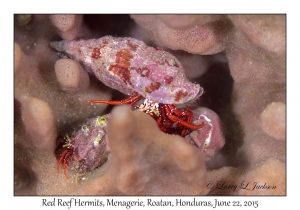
130	66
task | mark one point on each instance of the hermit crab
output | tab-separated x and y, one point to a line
86	148
170	119
146	74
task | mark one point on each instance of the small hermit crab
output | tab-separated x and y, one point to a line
87	147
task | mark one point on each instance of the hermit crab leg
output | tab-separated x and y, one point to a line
62	156
65	162
132	100
188	125
172	109
176	119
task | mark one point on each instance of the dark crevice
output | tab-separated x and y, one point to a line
218	85
109	24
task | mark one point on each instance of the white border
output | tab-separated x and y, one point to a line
154	6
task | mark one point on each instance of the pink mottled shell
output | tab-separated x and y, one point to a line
210	138
130	66
90	145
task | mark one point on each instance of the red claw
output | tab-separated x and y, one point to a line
183	119
179	117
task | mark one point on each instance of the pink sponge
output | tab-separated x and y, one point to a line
71	75
272	120
67	25
40	124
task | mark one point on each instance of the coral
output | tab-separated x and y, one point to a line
71	75
272	120
242	72
67	26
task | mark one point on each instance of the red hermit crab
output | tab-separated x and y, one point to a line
87	146
143	72
170	119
